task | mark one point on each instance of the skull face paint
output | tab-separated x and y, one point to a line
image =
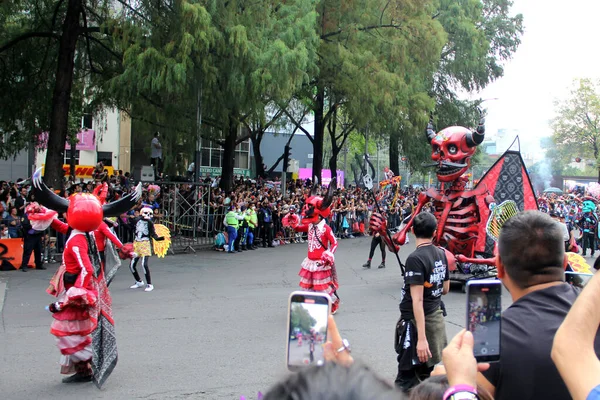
147	213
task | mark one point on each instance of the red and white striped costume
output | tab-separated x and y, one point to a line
318	269
78	315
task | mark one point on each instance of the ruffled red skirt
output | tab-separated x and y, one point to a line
317	277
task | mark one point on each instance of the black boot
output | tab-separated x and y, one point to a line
382	265
367	264
78	378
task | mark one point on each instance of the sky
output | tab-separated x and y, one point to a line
558	46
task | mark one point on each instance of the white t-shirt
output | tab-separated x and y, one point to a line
156	148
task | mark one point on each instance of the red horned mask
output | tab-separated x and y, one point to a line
316	206
452	149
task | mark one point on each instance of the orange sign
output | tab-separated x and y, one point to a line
83	171
11	254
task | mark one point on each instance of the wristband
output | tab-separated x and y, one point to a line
461	392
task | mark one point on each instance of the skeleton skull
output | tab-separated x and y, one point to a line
453	147
146	213
451	152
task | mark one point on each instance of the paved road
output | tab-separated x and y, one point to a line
214	327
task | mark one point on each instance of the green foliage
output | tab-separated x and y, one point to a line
576	126
301	318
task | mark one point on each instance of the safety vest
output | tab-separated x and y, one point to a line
252	219
231	218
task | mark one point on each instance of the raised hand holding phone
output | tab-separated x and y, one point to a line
484	308
308	314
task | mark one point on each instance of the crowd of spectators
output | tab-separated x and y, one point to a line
197	211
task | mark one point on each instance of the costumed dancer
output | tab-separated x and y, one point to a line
145	229
318	272
83	323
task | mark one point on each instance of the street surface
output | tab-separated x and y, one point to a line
213	328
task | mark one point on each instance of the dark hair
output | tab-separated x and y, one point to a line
532	249
597	264
433	388
334	381
424	225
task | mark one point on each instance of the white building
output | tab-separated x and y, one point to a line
105	137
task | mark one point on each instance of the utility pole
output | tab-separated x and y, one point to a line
286	160
198	154
366	166
377	144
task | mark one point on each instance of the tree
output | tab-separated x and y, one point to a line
369	52
481	36
262	50
301	318
576	125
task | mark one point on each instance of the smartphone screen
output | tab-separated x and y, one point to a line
307	329
577	279
484	307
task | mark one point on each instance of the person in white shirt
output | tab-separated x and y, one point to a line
156	155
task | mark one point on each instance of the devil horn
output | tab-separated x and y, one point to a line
123	205
430	131
329	196
47	197
475	138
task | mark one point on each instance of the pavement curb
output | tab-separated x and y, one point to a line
2	295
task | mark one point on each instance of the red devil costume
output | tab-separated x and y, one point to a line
83	323
318	272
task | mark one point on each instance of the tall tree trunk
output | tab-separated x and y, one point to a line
394	153
229	154
61	98
333	162
258	158
319	133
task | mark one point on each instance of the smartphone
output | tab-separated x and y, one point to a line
577	279
484	307
307	329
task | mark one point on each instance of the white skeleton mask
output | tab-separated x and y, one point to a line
147	213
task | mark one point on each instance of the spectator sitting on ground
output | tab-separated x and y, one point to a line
531	263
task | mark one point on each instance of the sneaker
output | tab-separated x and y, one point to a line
149	288
382	265
137	285
367	264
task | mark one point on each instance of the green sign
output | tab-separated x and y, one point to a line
214	171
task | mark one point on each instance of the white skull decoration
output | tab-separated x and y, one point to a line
147	213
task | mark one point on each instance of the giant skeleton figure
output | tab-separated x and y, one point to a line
318	272
457	209
83	323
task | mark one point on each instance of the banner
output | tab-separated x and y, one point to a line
86	140
306	173
83	171
11	254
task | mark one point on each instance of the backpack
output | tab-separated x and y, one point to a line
220	239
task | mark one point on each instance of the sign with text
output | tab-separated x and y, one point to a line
216	171
83	171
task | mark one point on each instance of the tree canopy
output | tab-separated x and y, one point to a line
576	130
208	68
